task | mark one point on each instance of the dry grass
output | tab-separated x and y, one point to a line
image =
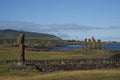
71	75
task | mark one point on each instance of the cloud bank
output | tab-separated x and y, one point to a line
50	27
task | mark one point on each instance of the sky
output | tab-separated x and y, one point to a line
68	19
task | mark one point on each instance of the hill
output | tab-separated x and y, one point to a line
12	34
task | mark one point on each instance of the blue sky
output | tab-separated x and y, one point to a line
68	19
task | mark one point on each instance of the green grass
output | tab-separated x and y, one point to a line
10	53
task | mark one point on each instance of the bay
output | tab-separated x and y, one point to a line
71	47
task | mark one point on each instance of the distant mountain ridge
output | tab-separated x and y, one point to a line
11	34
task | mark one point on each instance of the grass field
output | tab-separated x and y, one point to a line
10	53
68	75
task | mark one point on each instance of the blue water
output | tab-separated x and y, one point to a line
67	47
71	47
112	46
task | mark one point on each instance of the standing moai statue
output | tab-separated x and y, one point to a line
93	43
21	50
89	43
85	43
99	44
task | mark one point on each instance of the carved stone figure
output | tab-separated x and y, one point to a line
93	43
89	43
85	43
99	44
21	50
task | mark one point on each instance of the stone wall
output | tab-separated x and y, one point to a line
66	64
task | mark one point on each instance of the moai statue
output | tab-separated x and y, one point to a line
93	43
21	50
99	44
89	43
85	43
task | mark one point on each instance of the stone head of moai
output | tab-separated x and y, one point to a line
20	39
99	44
85	43
93	43
85	39
89	44
93	39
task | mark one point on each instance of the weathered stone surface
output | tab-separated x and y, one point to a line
89	44
99	44
20	39
21	50
93	43
69	64
85	43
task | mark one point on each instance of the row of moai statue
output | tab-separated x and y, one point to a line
93	44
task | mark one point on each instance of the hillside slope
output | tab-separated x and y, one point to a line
11	34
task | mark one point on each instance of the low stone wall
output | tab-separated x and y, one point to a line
8	62
49	68
68	64
64	61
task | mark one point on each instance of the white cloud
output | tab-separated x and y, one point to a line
49	27
63	35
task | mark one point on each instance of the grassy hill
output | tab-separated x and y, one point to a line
13	34
9	36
